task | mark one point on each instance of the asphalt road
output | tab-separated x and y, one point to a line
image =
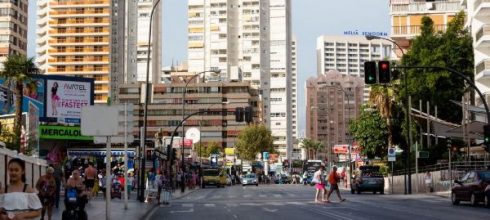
296	202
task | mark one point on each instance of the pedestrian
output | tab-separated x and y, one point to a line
46	187
319	184
59	179
76	182
428	182
158	184
344	177
90	176
305	178
20	201
102	181
333	180
178	179
130	182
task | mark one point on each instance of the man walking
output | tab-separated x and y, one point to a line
334	179
90	175
59	178
46	186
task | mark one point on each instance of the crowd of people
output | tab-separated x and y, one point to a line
321	180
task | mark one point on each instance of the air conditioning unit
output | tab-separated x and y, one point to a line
430	6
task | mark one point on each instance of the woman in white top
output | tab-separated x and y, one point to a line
20	200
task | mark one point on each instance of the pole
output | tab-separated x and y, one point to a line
428	126
450	169
435	131
108	179
392	165
416	167
145	110
125	156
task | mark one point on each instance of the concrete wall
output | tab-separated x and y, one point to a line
440	180
35	167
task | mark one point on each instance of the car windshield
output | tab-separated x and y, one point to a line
250	176
485	176
210	172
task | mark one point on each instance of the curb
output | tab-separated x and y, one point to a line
152	210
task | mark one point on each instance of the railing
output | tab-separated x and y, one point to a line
427	7
69	12
74	60
462	166
104	40
479	2
484	31
484	65
415	29
86	2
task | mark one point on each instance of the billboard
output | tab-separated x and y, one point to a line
33	125
65	98
62	133
33	93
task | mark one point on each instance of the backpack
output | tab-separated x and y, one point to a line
71	194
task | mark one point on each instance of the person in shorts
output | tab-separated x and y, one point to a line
319	184
334	179
46	186
90	176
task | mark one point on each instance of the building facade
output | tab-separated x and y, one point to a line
406	17
249	40
478	13
332	100
99	39
13	32
220	99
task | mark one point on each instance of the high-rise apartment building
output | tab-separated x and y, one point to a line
102	39
13	29
478	13
347	54
332	99
406	17
249	40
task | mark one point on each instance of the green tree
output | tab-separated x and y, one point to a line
211	148
383	99
16	72
452	49
7	136
312	147
370	130
253	140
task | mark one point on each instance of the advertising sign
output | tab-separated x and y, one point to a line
340	149
33	125
66	98
62	133
33	93
229	151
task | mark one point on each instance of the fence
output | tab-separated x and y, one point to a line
441	178
35	167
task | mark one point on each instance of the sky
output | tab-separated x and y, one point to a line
311	19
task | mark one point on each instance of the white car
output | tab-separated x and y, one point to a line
250	179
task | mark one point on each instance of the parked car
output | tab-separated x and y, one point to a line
250	179
369	179
472	187
282	179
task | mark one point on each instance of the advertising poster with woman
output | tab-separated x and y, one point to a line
65	99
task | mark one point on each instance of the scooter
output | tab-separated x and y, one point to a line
74	206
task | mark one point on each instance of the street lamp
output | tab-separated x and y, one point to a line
216	71
407	154
141	183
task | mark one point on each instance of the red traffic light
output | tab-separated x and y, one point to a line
384	66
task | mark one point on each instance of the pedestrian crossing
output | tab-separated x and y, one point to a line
239	204
245	196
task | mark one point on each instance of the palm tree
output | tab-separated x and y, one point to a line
312	147
16	72
382	97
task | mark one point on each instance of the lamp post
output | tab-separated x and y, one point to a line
216	71
407	118
141	181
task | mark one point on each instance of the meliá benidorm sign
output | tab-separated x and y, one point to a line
62	133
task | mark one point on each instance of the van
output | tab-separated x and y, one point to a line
213	177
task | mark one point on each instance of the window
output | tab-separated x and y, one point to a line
80	10
61	39
78	39
99	10
78	58
79	20
62	21
97	58
78	68
78	48
98	39
97	48
79	29
61	49
98	29
61	30
97	67
60	69
61	59
97	20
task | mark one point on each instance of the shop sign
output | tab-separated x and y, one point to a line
62	133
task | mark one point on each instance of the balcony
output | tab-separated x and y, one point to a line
85	69
482	39
55	4
482	10
86	60
84	50
426	7
84	42
74	13
84	23
482	71
104	31
412	30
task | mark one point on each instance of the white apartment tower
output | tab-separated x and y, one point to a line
478	13
13	32
249	40
102	39
347	54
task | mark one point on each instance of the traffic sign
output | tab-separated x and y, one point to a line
391	154
423	154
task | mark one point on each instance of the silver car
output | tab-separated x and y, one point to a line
250	179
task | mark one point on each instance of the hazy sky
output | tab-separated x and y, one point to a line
311	19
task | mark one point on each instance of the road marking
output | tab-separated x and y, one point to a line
231	197
231	205
216	197
269	210
209	205
235	216
188	205
275	203
182	211
250	204
277	195
247	196
262	196
295	203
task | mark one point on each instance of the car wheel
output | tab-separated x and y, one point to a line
374	191
382	191
256	184
453	199
473	200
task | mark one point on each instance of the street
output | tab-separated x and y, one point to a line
296	202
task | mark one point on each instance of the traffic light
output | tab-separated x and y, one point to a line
370	72
486	137
449	143
239	114
384	71
248	114
174	155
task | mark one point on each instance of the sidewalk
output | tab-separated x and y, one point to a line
444	194
175	195
96	209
